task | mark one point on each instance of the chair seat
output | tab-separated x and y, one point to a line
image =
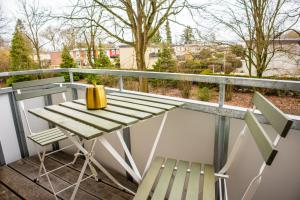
172	179
49	136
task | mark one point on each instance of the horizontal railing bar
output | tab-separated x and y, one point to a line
201	106
5	90
242	81
35	71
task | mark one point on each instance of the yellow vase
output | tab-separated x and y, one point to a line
95	97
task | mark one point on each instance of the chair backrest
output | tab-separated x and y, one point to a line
279	121
37	88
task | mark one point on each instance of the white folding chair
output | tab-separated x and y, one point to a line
279	121
157	182
30	89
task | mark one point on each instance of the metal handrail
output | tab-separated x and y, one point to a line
242	81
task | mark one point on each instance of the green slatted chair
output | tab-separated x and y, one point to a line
37	88
171	179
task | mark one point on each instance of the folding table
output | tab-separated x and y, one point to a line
123	110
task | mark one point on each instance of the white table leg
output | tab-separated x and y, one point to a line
119	158
155	142
128	154
86	162
91	158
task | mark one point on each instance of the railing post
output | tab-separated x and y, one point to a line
18	125
221	95
71	76
2	158
74	90
222	128
121	83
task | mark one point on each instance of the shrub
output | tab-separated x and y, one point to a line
185	88
204	94
207	72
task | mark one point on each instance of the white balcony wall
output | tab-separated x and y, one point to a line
8	137
187	135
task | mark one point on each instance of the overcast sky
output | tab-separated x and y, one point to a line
11	9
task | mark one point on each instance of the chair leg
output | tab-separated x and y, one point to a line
77	154
41	158
86	162
42	167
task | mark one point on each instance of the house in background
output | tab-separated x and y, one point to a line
55	59
286	61
80	56
45	59
128	59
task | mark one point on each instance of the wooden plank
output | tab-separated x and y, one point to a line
148	181
147	98
164	180
261	139
91	120
152	110
46	81
39	93
6	194
209	183
23	186
142	102
280	122
30	171
122	119
65	158
120	110
194	182
179	180
90	186
78	128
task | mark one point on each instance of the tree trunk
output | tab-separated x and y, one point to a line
38	58
141	65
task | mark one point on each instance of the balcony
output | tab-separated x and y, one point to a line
198	132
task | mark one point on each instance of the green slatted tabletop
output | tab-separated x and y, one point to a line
122	110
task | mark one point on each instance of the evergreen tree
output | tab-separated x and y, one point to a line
102	60
21	51
188	35
67	60
156	39
169	34
165	62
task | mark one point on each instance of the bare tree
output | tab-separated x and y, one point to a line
258	23
52	34
135	22
86	16
34	18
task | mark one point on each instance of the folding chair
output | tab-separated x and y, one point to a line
171	179
30	89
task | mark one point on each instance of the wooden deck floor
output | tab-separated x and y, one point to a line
16	181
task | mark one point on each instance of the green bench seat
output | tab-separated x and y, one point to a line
49	136
172	179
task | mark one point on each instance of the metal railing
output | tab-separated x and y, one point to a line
219	108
